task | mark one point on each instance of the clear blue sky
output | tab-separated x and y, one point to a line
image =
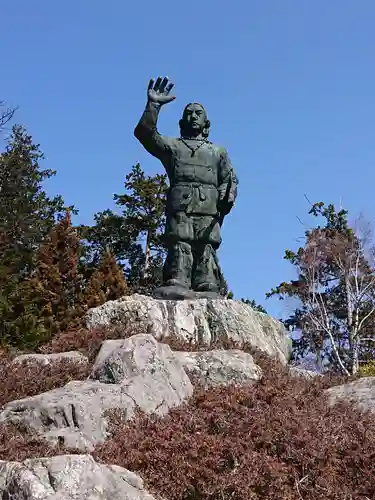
289	88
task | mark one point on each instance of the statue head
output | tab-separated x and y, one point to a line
194	121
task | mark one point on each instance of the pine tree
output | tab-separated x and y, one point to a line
27	215
49	299
144	209
106	283
57	272
135	236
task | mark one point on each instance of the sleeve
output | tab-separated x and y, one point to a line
147	134
228	183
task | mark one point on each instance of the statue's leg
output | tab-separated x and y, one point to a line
179	263
206	277
206	271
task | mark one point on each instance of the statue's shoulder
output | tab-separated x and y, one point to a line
175	142
170	143
220	150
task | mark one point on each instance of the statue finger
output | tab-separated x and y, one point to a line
158	83
163	84
169	88
150	84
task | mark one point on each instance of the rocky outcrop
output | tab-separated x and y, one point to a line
73	415
201	320
136	373
146	369
48	359
140	372
360	393
219	367
68	477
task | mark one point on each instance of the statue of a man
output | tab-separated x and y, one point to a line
203	188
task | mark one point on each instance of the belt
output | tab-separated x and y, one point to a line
194	184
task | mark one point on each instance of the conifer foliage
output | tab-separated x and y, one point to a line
135	235
27	215
56	280
106	283
51	294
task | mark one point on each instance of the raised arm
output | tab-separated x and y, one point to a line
146	131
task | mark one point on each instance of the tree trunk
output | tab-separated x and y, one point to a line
355	356
147	254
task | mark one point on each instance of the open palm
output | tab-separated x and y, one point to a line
159	91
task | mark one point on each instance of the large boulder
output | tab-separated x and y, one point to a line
220	367
143	375
360	392
202	320
148	371
68	477
73	415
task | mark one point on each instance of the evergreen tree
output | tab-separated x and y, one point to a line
135	236
57	273
335	287
143	207
27	214
106	283
49	298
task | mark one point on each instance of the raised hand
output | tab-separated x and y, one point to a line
158	91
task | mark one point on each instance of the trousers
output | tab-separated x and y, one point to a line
192	241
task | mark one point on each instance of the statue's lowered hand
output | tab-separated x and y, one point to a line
158	91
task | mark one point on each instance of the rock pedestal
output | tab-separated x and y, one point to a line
203	321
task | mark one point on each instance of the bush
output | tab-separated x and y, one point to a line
277	439
88	342
17	445
24	380
367	369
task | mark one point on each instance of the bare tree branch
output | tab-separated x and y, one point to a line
6	114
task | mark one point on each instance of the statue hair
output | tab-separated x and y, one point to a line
206	128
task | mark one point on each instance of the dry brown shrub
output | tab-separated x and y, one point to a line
17	445
86	341
277	439
89	341
28	379
24	380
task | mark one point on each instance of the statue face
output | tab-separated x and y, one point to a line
194	119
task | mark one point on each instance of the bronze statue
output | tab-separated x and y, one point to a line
203	188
